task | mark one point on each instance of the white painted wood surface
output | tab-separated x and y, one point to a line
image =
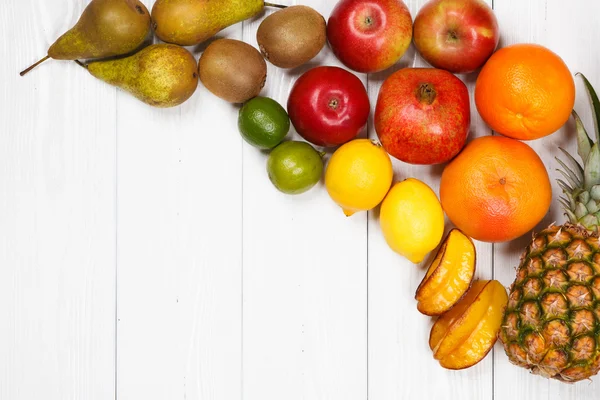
145	255
57	215
576	42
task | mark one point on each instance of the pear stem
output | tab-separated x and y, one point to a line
267	4
80	64
33	66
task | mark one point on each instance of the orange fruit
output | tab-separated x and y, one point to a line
525	92
496	190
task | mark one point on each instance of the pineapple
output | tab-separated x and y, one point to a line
552	323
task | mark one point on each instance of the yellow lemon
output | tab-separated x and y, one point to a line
359	175
412	219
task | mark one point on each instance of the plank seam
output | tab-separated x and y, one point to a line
493	277
242	263
368	218
116	205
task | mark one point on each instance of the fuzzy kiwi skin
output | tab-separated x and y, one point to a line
232	70
292	37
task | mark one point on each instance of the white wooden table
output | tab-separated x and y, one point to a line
144	253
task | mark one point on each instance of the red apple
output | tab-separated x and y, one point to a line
328	106
369	35
423	115
456	35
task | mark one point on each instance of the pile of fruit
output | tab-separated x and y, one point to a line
495	189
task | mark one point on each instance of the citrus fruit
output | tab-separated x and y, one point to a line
412	220
294	167
525	92
496	190
359	175
263	122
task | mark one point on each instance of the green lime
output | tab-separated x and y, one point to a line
294	167
263	122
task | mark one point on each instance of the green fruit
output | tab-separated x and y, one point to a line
263	122
294	167
162	75
106	28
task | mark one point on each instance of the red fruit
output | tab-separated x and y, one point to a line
456	35
369	35
328	106
423	115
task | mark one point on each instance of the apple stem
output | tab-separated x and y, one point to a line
274	5
426	93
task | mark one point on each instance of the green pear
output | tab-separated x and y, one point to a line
106	28
189	22
162	75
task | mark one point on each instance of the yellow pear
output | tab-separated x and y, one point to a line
189	22
162	75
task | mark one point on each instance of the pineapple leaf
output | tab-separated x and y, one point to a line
572	217
569	179
576	177
574	162
592	206
565	187
565	203
595	192
584	143
592	168
595	104
580	210
589	221
568	193
584	197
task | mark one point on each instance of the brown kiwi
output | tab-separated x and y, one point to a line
232	70
292	37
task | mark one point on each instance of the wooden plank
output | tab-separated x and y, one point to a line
57	213
576	42
305	277
179	241
401	365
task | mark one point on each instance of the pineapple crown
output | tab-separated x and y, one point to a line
581	186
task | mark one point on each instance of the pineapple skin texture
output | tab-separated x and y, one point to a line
552	323
190	22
